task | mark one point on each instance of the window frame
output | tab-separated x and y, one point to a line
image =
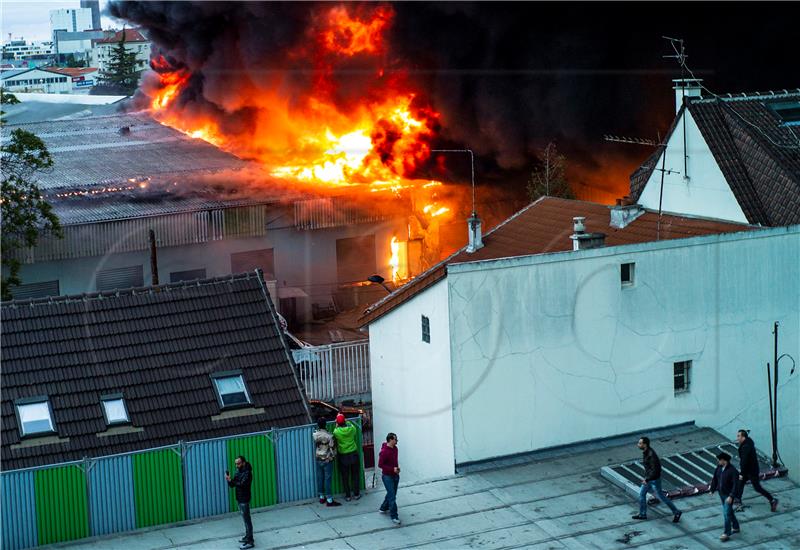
33	401
115	397
631	274
686	366
231	374
426	329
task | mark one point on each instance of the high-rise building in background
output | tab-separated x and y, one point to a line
70	20
93	5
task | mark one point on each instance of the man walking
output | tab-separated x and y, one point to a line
748	464
242	482
345	433
725	481
652	482
390	474
325	453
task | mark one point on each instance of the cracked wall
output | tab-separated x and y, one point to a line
557	351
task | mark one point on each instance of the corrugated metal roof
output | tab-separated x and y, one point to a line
545	226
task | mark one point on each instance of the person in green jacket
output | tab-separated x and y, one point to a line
345	433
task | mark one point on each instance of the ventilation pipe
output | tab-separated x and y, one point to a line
474	230
581	240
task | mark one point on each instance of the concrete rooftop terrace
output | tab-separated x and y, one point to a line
549	500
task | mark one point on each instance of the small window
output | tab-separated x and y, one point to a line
35	416
681	376
426	330
188	275
231	389
114	409
626	273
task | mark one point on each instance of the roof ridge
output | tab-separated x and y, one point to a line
745	96
130	291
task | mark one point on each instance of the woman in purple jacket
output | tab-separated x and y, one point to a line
390	470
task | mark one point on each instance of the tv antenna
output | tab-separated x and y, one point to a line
680	55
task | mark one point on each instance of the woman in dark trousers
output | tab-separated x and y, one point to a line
390	474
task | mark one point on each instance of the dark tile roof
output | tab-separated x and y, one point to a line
545	226
131	35
758	154
156	345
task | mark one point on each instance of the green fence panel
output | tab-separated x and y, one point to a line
158	487
62	510
336	486
260	453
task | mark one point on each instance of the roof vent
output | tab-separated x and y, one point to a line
581	240
622	215
124	130
474	229
686	87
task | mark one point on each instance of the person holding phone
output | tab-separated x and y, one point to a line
242	481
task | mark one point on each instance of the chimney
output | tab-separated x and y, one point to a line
474	229
688	87
623	214
581	240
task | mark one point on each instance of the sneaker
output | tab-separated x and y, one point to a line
677	517
735	530
638	516
333	503
774	505
322	500
396	520
348	499
243	539
382	511
724	538
247	545
358	496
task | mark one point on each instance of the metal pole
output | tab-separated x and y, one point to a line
775	399
153	257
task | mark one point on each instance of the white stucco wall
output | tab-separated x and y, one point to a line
551	349
411	385
704	193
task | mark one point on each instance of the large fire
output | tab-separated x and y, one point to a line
377	140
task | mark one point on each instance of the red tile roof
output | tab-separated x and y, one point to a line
131	35
73	71
545	226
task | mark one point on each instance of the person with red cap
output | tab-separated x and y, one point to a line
345	433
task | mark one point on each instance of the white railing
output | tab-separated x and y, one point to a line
334	371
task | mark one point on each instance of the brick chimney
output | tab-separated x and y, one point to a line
581	240
686	87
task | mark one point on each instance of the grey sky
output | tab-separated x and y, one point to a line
31	19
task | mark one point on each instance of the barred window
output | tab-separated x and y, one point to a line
681	376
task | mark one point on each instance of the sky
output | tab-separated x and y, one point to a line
31	19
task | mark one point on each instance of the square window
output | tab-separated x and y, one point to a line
626	273
231	390
35	417
426	330
680	372
114	409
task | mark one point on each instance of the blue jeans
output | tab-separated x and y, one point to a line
653	486
324	478
244	508
390	502
729	517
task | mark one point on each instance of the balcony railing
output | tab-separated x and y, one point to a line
335	371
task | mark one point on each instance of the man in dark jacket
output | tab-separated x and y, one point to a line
652	482
726	481
748	464
390	475
242	482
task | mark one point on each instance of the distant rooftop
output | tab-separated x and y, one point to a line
545	226
131	35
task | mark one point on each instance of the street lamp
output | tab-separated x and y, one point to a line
378	280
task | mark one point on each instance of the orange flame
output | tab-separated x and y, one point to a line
394	259
377	140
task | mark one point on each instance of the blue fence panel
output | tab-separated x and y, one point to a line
19	510
204	479
294	448
111	500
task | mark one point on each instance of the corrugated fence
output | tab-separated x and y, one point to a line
119	493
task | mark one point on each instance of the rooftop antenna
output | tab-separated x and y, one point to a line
663	169
680	55
474	222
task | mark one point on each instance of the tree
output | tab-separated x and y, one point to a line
549	178
121	77
24	213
